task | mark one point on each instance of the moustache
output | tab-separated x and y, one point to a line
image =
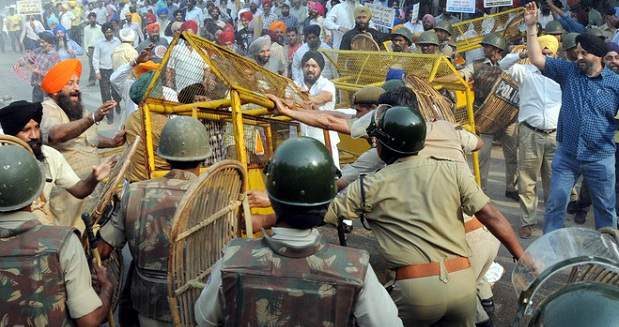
75	94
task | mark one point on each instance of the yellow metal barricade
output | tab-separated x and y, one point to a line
469	33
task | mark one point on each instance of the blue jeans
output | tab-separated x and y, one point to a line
600	179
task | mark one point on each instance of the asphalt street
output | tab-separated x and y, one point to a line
13	88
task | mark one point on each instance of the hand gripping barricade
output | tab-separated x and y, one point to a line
207	218
569	277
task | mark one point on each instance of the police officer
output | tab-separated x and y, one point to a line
420	234
444	32
44	274
401	40
427	43
484	74
293	277
568	47
555	29
146	213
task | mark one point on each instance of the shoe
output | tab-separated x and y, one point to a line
580	217
527	231
512	195
488	305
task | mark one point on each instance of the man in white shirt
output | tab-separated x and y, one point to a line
313	43
66	17
322	95
92	35
340	20
101	13
102	64
540	103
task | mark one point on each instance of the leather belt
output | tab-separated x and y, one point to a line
473	224
539	130
431	269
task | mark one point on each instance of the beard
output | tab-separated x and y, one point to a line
310	79
36	145
362	26
74	111
585	67
154	38
262	60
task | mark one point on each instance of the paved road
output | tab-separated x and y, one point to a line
505	296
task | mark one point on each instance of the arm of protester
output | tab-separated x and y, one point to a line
116	141
321	98
509	65
84	187
59	133
534	50
322	119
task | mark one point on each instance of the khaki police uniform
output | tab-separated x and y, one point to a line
419	227
81	297
80	153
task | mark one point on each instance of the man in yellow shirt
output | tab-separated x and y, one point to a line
13	26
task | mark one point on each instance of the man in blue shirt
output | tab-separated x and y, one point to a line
586	128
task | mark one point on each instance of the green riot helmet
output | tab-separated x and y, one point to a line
403	32
21	178
495	40
585	304
428	37
400	129
301	173
569	41
553	28
444	26
184	139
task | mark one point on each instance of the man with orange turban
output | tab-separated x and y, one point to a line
277	31
160	44
66	128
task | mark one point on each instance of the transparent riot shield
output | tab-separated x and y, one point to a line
561	258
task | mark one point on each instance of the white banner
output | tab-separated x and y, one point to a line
498	3
29	7
381	16
464	6
415	11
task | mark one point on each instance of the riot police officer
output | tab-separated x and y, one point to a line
44	273
293	277
419	231
184	145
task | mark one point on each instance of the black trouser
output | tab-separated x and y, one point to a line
76	34
91	76
108	92
15	43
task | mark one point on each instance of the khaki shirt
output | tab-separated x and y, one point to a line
58	173
81	297
80	152
412	206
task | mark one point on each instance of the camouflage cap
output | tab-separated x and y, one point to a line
428	37
444	26
403	32
367	95
553	28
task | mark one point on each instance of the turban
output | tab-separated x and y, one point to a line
150	18
363	11
266	2
59	28
226	37
127	35
312	29
317	56
138	88
144	68
190	25
15	116
278	25
246	15
428	19
612	46
317	7
47	37
52	20
152	28
59	75
592	44
123	54
259	44
162	12
395	72
550	42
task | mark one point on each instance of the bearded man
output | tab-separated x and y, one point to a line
159	44
22	119
65	127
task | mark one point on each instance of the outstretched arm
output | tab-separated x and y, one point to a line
533	48
329	120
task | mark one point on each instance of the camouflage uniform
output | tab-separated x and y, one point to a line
44	276
145	221
294	279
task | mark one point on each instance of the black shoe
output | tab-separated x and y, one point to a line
512	195
488	305
580	217
573	207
